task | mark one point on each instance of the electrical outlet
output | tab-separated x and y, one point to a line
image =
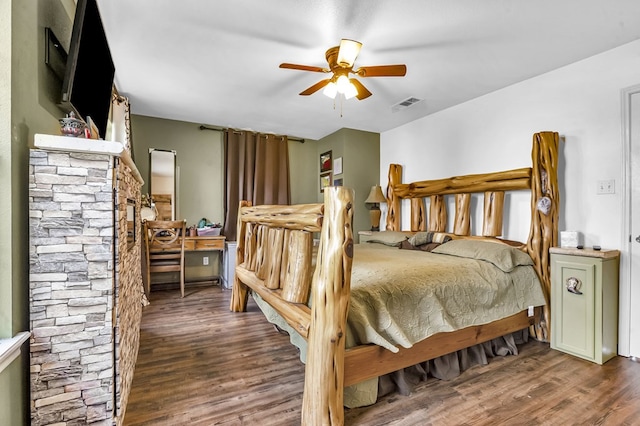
205	260
607	186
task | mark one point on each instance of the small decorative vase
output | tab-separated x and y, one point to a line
72	126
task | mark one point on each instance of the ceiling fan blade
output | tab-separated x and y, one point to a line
363	92
382	71
313	89
303	67
348	52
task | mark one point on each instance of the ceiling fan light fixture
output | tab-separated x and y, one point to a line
348	52
343	84
330	90
340	60
350	91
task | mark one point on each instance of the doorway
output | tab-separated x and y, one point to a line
629	323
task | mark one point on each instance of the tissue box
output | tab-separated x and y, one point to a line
208	232
569	239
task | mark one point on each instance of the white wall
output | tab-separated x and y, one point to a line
581	101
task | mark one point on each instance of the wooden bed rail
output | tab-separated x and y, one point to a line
492	185
275	246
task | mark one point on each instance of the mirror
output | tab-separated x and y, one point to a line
163	183
131	222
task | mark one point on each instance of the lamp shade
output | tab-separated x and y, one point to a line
376	195
348	52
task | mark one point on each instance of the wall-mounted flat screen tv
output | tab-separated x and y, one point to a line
88	81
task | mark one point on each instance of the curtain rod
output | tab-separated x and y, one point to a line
220	129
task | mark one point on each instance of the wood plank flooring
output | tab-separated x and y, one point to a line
200	364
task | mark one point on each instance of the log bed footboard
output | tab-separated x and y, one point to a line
276	243
275	259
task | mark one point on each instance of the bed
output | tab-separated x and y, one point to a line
311	289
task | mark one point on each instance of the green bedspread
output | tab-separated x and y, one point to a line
399	297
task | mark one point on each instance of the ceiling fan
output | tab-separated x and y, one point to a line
341	59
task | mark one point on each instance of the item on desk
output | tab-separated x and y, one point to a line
597	248
204	223
208	228
208	232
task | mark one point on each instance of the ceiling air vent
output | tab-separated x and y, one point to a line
405	104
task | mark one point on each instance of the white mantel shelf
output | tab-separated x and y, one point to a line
89	146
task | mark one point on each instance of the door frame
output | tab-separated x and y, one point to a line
624	305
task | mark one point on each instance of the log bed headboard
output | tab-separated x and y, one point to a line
541	179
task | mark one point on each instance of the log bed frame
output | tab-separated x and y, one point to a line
275	259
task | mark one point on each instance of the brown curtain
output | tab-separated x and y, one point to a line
257	170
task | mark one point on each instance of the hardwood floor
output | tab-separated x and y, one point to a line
200	364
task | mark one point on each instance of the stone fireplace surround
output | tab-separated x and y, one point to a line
85	288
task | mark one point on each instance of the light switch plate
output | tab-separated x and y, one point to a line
607	186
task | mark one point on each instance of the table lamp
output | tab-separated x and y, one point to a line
375	198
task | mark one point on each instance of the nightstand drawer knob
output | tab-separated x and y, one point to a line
638	239
573	285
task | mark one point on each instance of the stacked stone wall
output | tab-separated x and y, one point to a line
130	296
77	356
71	288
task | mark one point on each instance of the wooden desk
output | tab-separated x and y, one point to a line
205	243
196	269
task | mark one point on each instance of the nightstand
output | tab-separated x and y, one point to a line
584	302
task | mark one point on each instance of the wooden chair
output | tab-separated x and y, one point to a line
164	243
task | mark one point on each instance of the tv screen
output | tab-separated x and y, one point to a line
88	81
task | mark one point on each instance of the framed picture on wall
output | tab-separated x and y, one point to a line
337	182
337	166
325	180
325	162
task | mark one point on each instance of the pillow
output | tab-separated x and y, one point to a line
503	256
389	238
406	245
429	237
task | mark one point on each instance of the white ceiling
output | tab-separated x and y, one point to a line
216	62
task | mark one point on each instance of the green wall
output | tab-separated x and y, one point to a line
360	153
29	93
200	181
199	160
303	161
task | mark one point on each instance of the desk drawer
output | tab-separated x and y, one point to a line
209	244
189	245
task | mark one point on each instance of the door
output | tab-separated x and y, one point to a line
634	246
